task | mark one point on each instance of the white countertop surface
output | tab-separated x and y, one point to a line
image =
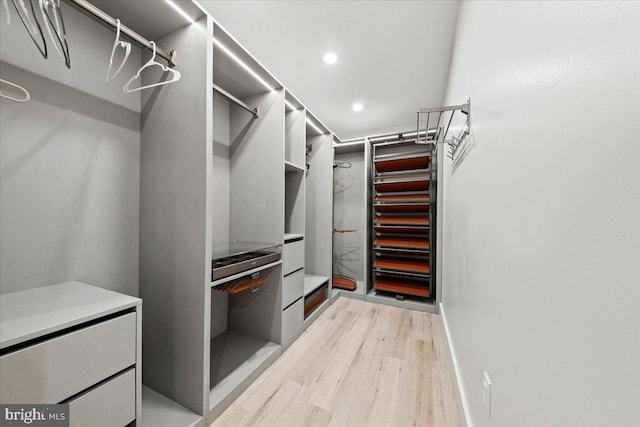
33	313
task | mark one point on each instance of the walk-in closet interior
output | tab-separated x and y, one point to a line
214	173
174	215
177	169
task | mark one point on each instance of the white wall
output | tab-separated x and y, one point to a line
542	232
69	163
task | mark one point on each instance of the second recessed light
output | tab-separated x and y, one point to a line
330	58
357	107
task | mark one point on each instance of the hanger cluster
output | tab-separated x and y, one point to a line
54	24
51	16
121	44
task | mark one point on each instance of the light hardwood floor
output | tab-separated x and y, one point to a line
358	364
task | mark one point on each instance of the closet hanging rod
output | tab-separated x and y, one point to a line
406	141
92	10
400	137
252	110
462	107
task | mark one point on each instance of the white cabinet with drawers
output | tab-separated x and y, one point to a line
292	288
293	256
73	343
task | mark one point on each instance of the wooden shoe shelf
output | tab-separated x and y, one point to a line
401	235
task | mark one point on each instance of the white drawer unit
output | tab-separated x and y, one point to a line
56	369
292	319
293	256
292	288
111	404
73	341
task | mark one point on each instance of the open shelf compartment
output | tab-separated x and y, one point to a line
245	334
402	242
236	360
407	184
402	285
401	163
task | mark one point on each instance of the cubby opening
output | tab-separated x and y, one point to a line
349	219
247	197
245	335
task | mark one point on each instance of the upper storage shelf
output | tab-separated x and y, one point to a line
236	71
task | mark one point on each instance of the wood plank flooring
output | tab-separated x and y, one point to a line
358	364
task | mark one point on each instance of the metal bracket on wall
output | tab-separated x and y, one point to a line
438	123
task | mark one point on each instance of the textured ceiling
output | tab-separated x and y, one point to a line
393	56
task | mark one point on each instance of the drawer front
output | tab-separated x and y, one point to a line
292	319
293	287
293	256
56	369
112	404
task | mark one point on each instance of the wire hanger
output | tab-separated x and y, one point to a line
117	44
342	164
15	86
175	74
51	8
6	11
30	22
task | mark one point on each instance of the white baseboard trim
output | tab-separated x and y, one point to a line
460	393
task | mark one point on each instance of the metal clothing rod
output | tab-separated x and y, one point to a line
252	110
462	107
409	135
109	20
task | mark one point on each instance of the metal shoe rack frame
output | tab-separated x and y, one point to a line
402	222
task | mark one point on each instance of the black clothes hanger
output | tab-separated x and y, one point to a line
31	23
51	11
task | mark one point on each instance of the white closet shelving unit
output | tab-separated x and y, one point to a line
73	343
223	158
175	225
294	220
170	133
246	331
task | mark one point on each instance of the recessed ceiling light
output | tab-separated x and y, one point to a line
357	107
330	58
